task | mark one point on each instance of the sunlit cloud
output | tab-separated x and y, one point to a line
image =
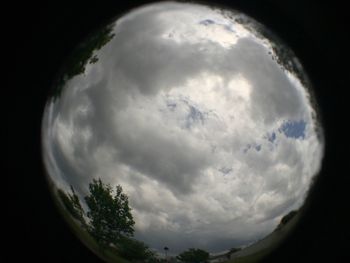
210	138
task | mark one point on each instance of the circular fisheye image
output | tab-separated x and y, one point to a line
182	132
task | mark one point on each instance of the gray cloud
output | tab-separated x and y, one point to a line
165	159
168	112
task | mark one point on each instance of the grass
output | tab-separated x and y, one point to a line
269	243
256	257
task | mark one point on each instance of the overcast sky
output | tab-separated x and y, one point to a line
210	138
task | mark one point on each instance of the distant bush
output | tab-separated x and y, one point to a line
285	219
193	255
288	217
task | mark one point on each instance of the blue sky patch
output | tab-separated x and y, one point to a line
194	116
207	22
249	147
271	137
293	129
225	170
229	28
171	105
245	150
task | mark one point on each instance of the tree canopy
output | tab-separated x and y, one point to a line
110	221
193	255
132	249
109	213
84	54
72	203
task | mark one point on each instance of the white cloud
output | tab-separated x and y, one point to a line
177	112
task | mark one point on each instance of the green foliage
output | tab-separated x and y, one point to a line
111	223
132	249
72	203
83	55
109	213
66	202
193	255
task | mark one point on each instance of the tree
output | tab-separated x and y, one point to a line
193	255
83	55
72	203
166	251
109	213
133	249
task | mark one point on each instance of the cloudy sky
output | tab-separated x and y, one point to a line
187	110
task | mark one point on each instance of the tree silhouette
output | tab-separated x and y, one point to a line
81	56
133	249
286	218
111	222
166	251
72	203
109	213
193	255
